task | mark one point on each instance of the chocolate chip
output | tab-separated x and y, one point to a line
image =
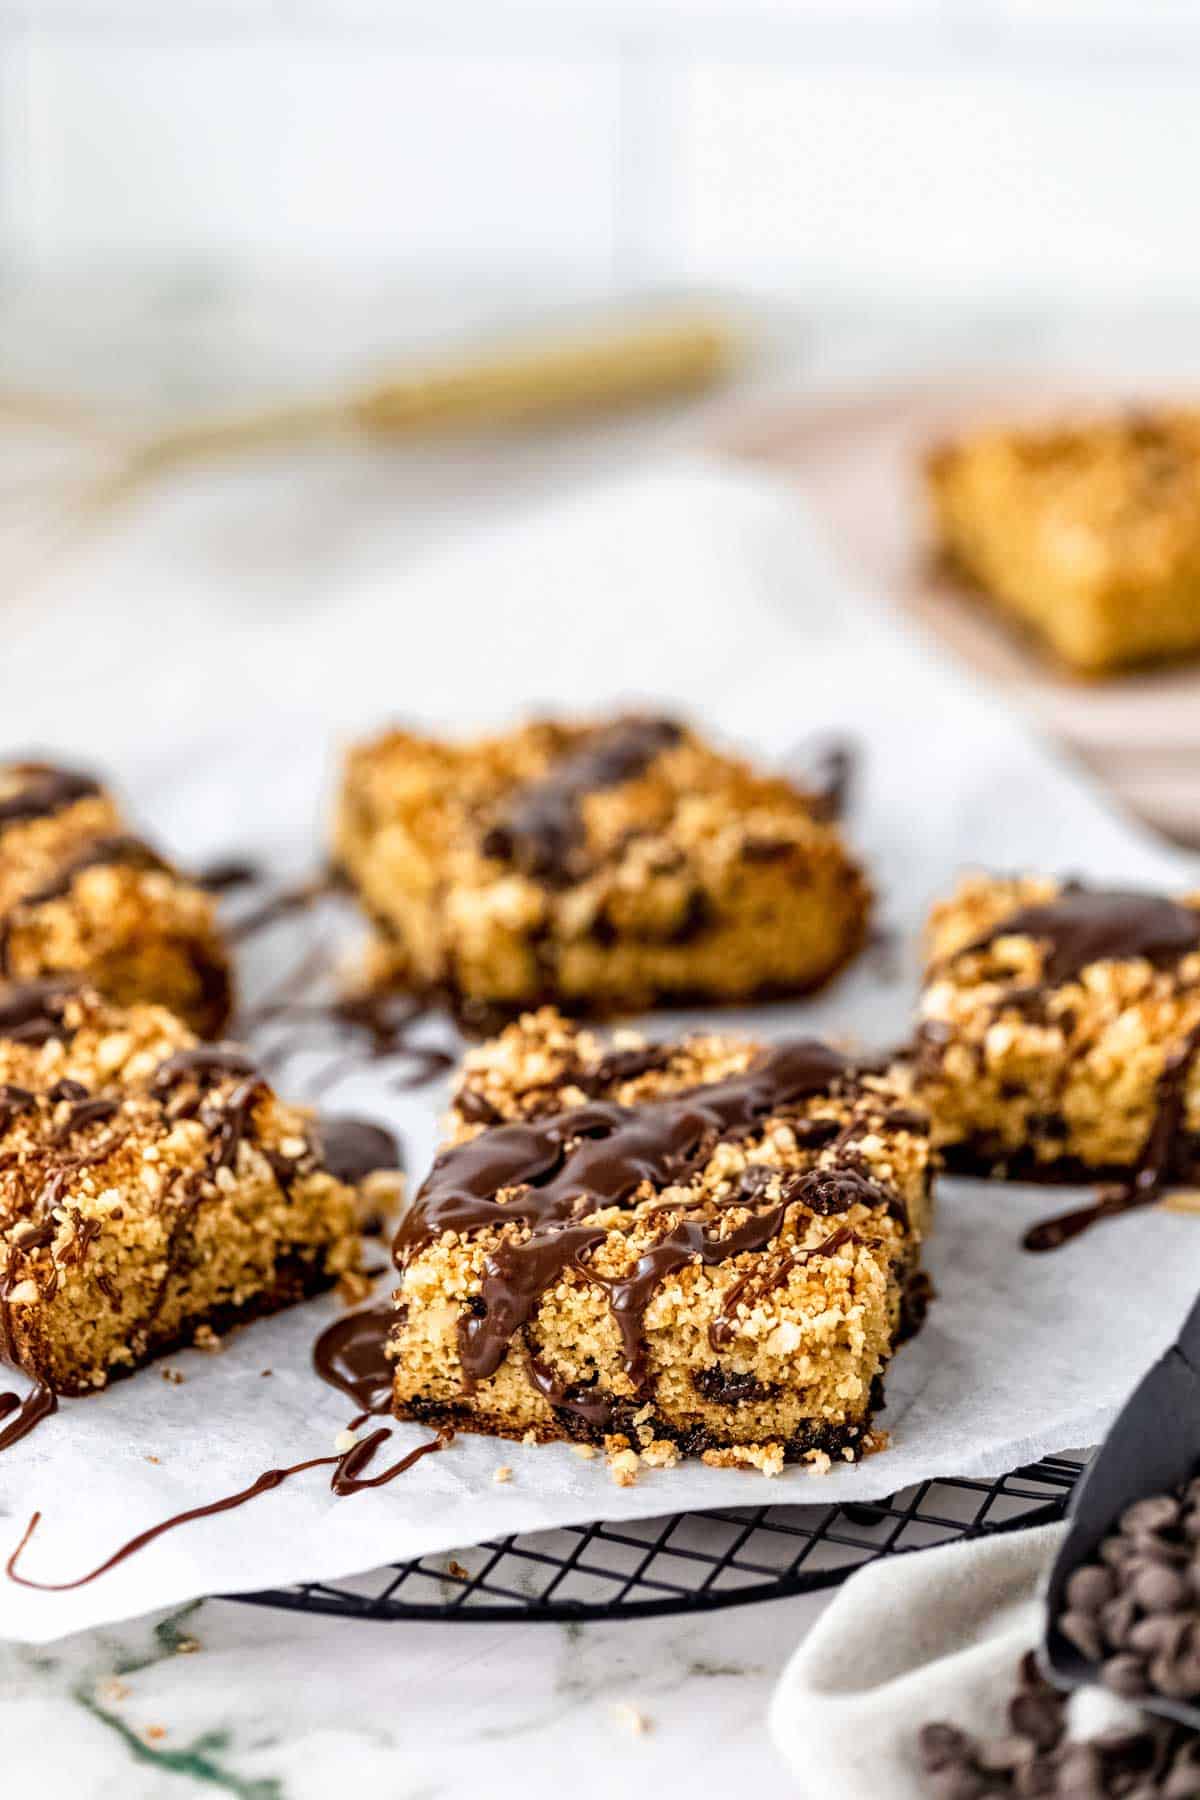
1035	1779
1156	1513
1089	1588
1159	1590
1116	1552
1000	1756
939	1745
1182	1784
1039	1717
1081	1772
1125	1675
958	1781
1082	1630
1176	1677
1117	1618
1161	1635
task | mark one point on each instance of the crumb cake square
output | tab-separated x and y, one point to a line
151	1189
81	895
1060	1029
704	1247
596	866
1089	534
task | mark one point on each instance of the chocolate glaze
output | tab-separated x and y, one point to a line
45	791
558	1170
540	829
1089	925
1154	1167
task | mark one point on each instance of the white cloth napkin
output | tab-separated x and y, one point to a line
937	1635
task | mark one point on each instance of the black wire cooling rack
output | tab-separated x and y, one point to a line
690	1562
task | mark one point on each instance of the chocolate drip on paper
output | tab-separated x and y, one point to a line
38	1404
352	1149
45	791
299	897
827	768
349	1355
541	827
558	1170
227	874
345	1480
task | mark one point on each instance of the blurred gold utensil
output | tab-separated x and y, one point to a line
541	378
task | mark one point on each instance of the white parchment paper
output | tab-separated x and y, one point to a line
702	589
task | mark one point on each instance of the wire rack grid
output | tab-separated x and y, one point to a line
688	1562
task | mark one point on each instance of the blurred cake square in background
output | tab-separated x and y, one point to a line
1087	533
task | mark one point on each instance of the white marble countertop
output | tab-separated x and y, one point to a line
219	570
280	1706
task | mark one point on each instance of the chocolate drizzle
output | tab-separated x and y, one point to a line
1083	926
38	1404
201	1063
102	852
227	874
556	1171
345	1480
1154	1166
540	830
45	791
33	1012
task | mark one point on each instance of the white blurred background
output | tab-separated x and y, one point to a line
213	202
873	148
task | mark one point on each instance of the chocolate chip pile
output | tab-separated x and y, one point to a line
1152	1761
1136	1611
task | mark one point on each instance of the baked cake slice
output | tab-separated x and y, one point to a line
706	1246
1060	1030
152	1188
600	867
81	895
